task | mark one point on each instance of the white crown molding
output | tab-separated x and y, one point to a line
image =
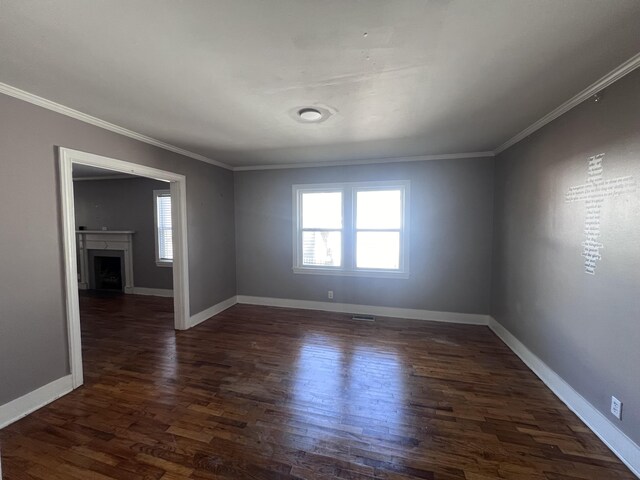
611	77
83	117
211	311
394	312
621	445
32	401
370	161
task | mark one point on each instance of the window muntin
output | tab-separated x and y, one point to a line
351	229
163	227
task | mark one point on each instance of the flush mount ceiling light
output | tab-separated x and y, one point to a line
309	114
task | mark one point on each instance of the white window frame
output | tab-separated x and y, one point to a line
329	188
349	211
160	262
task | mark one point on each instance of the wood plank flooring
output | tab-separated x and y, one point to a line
267	393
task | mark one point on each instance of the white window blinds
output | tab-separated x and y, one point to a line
163	226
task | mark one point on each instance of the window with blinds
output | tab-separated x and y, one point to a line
164	233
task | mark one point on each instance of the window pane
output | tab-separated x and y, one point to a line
379	209
165	237
322	210
378	250
165	240
322	248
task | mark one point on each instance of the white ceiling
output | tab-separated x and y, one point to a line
221	78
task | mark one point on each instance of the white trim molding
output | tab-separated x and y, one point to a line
211	311
366	161
154	292
32	401
157	194
409	313
83	117
611	77
67	158
620	444
349	230
72	301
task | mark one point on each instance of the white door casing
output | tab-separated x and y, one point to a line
178	187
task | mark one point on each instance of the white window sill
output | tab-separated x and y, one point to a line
351	273
164	263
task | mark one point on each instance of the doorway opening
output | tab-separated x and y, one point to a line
101	259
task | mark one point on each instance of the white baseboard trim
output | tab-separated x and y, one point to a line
156	292
211	311
32	401
414	314
621	445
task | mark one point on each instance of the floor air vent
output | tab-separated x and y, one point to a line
364	318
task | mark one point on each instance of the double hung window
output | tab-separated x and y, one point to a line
355	229
164	232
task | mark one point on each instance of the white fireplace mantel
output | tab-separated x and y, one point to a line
121	240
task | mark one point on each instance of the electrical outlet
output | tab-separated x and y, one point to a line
616	408
330	294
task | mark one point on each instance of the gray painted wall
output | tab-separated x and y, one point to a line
126	204
450	246
33	338
585	327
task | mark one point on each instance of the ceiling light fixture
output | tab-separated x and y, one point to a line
310	114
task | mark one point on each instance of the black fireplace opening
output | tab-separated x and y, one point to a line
108	273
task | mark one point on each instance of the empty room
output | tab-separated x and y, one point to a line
320	239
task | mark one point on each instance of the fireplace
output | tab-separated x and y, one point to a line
106	270
105	243
108	273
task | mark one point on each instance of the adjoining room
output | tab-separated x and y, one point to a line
127	218
124	242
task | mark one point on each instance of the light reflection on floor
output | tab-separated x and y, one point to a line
169	359
338	384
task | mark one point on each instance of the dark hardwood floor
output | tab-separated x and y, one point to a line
267	393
